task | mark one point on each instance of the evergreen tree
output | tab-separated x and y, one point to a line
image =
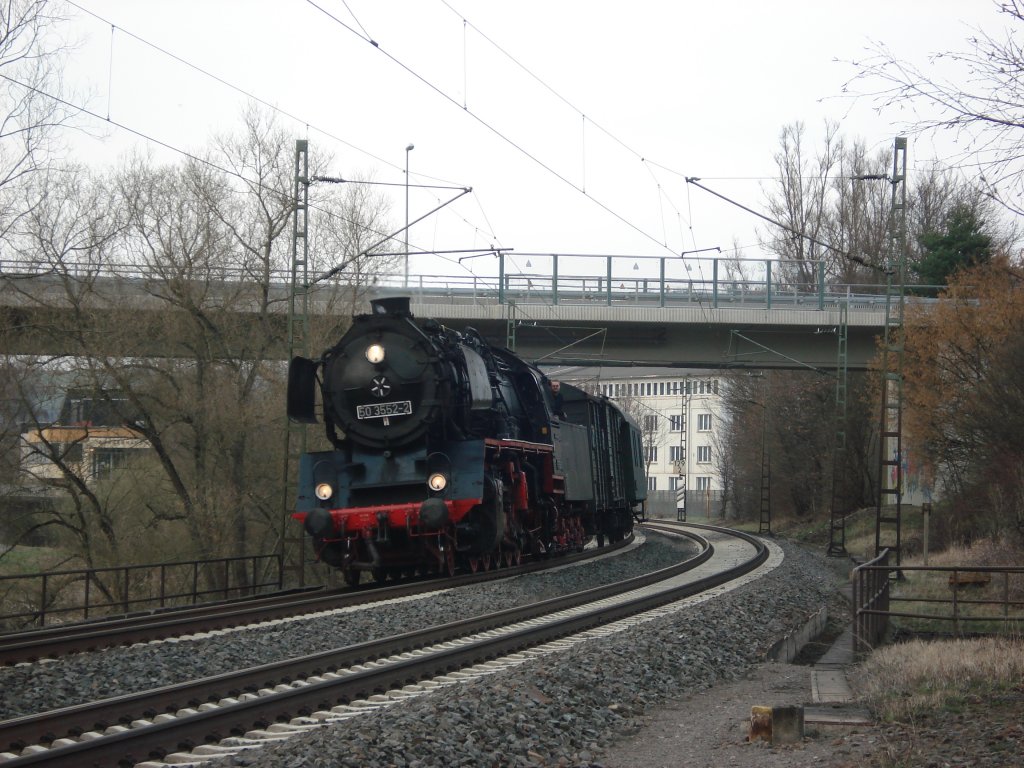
962	244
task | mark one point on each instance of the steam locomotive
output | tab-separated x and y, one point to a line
449	453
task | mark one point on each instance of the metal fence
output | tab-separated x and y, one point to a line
39	599
870	603
969	599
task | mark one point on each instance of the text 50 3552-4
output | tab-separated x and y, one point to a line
383	410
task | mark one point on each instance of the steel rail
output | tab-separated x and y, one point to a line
46	727
91	636
158	739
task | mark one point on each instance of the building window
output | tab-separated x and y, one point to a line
676	483
715	384
703	422
661	388
675	388
650	423
676	453
106	460
703	454
652	483
650	453
702	386
689	387
675	423
703	483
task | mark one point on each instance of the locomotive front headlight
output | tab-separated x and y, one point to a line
324	491
375	353
437	482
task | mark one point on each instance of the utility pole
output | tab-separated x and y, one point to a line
888	512
837	525
293	543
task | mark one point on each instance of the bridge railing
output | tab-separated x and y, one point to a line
616	285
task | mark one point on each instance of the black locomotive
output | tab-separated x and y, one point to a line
450	453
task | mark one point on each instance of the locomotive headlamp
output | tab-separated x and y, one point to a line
324	491
437	482
375	353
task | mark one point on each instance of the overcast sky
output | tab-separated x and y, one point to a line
575	122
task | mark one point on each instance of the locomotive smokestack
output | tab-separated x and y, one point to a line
394	305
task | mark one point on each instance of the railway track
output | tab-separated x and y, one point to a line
56	641
329	686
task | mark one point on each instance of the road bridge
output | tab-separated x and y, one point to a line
585	318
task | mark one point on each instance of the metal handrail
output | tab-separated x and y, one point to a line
871	586
555	287
71	595
874	598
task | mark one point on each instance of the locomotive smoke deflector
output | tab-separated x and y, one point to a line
301	395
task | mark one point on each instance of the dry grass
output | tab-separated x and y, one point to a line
981	552
901	682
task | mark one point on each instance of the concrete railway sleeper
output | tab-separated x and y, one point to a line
335	685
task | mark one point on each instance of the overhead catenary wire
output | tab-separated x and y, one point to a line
364	35
252	183
494	130
845	254
227	84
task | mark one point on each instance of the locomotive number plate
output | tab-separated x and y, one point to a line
383	410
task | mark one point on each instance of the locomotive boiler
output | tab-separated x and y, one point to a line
448	453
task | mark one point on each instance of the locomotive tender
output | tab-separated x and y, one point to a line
450	453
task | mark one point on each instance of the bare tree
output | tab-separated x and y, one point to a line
187	346
349	232
31	57
788	417
841	205
976	94
857	218
801	202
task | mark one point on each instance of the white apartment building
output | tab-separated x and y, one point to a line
680	415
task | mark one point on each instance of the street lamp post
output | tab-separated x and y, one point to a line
408	149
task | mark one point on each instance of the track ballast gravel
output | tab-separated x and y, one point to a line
566	709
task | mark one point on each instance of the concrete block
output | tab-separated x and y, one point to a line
760	724
787	725
777	725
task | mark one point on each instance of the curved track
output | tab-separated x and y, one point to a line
327	686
